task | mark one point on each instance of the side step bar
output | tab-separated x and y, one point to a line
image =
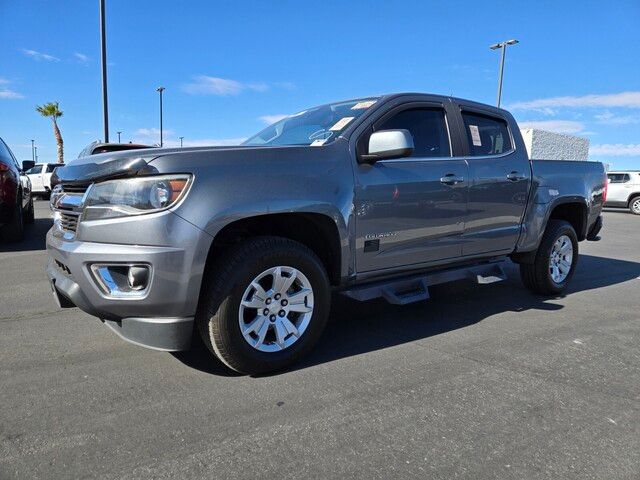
412	289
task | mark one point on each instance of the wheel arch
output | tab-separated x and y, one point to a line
317	231
631	197
573	210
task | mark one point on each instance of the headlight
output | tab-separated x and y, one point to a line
133	196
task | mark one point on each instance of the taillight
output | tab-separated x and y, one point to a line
4	167
606	187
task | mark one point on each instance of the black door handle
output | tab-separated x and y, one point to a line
451	179
515	176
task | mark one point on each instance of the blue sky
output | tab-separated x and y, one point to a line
229	67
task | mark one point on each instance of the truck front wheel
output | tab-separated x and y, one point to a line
555	260
265	306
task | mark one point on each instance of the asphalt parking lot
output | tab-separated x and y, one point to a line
480	382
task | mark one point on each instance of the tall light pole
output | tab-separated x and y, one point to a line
181	138
160	90
33	152
103	50
118	136
503	46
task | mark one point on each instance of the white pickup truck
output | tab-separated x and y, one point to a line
40	176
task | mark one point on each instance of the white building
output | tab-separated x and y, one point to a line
544	145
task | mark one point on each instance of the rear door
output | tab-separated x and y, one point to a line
619	189
500	176
411	210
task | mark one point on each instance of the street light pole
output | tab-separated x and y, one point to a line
160	90
103	48
503	47
118	136
33	152
181	138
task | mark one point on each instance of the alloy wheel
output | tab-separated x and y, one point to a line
276	309
561	259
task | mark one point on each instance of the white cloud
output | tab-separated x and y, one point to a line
615	150
39	55
151	136
608	118
285	85
6	93
81	57
205	85
10	94
623	99
269	119
559	126
205	142
152	133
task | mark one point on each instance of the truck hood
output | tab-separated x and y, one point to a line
93	168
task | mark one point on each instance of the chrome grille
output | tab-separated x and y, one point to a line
68	221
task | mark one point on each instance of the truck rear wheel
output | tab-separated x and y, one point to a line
634	205
555	260
265	306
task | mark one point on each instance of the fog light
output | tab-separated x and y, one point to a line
122	280
138	277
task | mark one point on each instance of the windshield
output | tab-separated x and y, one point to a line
315	126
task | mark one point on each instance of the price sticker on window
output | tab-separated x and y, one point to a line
340	124
475	135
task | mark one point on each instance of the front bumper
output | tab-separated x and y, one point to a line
166	334
163	317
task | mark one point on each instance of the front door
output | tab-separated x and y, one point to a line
35	175
411	211
500	177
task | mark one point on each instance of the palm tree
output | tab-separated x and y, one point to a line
52	110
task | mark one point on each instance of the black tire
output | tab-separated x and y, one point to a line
218	312
14	231
537	276
30	214
634	205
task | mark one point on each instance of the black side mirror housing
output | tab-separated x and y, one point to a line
28	165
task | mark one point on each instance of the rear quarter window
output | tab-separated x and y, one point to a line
486	135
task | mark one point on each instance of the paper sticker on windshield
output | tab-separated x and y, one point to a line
340	124
319	142
475	135
363	105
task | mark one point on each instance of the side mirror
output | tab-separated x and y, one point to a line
28	165
388	144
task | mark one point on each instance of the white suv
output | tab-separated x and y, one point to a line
40	176
624	190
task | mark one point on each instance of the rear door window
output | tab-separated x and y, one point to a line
618	177
428	128
486	135
35	170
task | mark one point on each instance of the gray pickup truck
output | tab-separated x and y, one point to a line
374	197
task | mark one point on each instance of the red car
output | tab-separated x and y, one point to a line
16	202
